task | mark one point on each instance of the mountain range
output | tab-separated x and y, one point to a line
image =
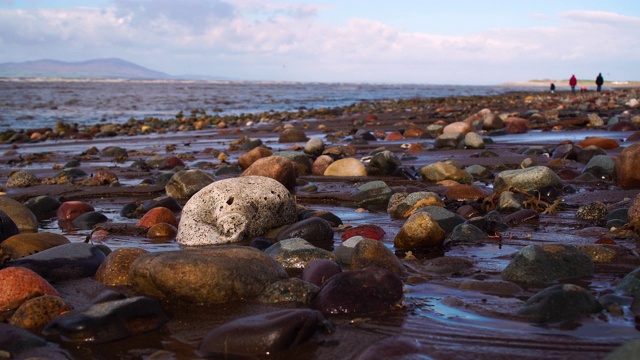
112	68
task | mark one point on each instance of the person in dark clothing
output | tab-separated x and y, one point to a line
552	88
573	82
599	82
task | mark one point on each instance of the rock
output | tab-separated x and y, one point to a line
158	215
109	321
369	231
372	195
295	253
35	313
601	142
453	140
162	230
360	292
318	271
185	183
601	166
235	209
86	221
290	290
321	164
515	125
401	205
457	127
509	202
560	302
8	228
43	207
626	351
24	219
18	343
541	264
633	214
530	178
114	270
466	234
20	284
593	212
205	275
114	152
262	334
346	167
444	171
383	163
447	265
314	147
22	178
290	135
491	122
63	262
245	160
21	245
464	192
278	168
163	201
589	152
333	220
420	230
521	216
393	136
595	120
300	160
369	252
627	165
445	218
69	210
101	177
315	230
394	348
345	249
630	284
473	141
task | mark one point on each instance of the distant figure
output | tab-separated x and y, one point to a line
573	82
552	88
583	88
599	82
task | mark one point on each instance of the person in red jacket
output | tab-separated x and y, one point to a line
573	82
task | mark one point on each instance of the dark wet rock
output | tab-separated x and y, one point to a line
345	167
68	175
163	201
633	213
318	271
19	343
369	252
245	160
332	218
156	161
369	231
450	140
468	211
158	215
295	253
22	178
35	313
449	265
20	284
464	192
593	212
262	334
252	143
383	163
109	321
541	264
626	351
444	171
88	220
205	275
290	135
8	228
69	210
63	262
228	170
24	218
345	250
278	168
372	195
627	165
114	152
395	348
315	230
479	172
314	147
419	231
604	253
491	223
44	207
114	270
566	151
235	209
630	284
290	290
621	214
530	178
360	292
560	302
466	234
493	287
445	218
185	183
401	205
260	243
588	153
25	244
521	216
302	162
601	166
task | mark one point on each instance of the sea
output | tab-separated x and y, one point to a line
40	103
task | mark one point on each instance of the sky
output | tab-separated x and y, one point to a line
461	42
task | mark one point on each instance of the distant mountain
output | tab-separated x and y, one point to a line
96	69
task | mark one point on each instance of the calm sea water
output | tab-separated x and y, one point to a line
28	104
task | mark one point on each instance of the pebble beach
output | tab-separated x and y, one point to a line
495	226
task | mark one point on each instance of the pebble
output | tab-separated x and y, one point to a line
162	231
452	140
44	207
466	234
245	160
69	210
401	205
589	152
235	209
627	165
22	178
447	265
633	214
458	127
419	231
8	228
344	251
35	313
186	183
560	302
20	284
205	275
369	252
446	219
541	264
18	343
86	221
346	167
321	164
295	253
318	271
530	178
444	171
601	142
158	215
302	162
372	195
464	192
114	270
291	135
601	166
314	147
278	168
593	212
630	284
292	290
473	141
383	163
25	244
369	231
394	347
317	231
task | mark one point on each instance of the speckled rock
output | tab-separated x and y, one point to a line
205	275
295	253
369	252
114	270
24	219
185	183
444	171
290	290
530	178
278	168
401	205
473	141
346	167
633	213
158	215
35	313
559	302
420	230
235	209
540	264
21	245
19	284
627	165
593	212
22	178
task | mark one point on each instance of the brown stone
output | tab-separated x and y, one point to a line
21	245
70	210
603	143
19	284
627	165
158	215
162	230
248	158
420	231
114	270
464	192
35	313
276	167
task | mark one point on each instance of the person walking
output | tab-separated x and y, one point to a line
599	82
552	88
573	82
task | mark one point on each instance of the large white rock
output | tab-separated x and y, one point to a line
236	209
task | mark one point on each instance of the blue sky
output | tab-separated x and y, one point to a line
401	41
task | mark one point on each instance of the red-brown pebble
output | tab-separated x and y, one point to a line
69	210
19	284
462	192
603	143
276	167
158	215
35	313
248	158
114	270
393	136
162	230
